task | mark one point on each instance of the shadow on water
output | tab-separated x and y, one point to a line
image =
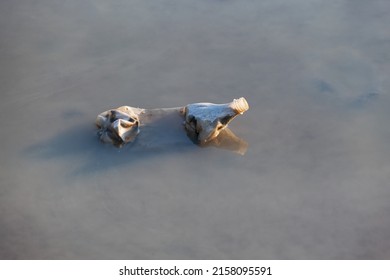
81	142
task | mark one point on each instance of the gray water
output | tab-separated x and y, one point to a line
313	184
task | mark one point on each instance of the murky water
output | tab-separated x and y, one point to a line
314	183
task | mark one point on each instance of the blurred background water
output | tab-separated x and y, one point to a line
314	183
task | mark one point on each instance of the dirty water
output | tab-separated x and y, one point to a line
313	183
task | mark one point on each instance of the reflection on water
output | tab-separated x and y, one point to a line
229	141
313	183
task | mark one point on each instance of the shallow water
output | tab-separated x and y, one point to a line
313	184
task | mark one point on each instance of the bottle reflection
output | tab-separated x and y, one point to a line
226	140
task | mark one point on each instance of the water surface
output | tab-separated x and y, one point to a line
314	183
